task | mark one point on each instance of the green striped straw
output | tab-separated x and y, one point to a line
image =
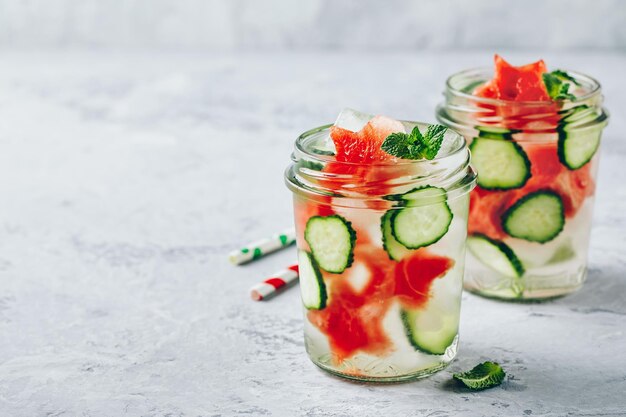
262	247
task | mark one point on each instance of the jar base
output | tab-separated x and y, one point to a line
529	288
385	370
423	373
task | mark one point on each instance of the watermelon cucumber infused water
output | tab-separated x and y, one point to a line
534	137
381	212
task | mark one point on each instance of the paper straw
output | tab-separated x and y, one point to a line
261	248
271	286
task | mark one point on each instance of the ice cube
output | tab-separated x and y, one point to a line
359	277
348	119
353	120
534	254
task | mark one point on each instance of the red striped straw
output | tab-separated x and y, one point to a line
271	286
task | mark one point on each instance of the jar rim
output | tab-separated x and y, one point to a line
300	148
594	88
451	172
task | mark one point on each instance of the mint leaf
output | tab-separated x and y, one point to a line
482	376
564	93
564	76
433	139
401	145
416	134
557	84
415	145
552	83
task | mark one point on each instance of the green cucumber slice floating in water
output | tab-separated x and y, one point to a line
425	219
501	164
419	196
536	217
331	239
395	249
312	165
431	329
312	287
495	254
496	132
579	136
469	89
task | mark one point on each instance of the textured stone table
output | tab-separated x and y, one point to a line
125	180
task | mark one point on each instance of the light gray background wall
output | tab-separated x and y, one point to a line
312	24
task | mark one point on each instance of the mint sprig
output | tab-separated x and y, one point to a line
558	83
482	376
564	76
415	145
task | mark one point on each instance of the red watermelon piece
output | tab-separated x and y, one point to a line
415	274
357	151
363	147
486	208
548	172
515	85
524	83
353	321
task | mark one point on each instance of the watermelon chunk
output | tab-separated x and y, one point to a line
547	172
415	274
516	85
524	83
356	152
486	209
364	146
353	319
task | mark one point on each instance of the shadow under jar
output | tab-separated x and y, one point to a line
375	309
537	163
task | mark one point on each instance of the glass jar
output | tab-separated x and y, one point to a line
530	215
374	309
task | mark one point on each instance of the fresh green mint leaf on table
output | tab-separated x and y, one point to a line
482	376
557	84
415	145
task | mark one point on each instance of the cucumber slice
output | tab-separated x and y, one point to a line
418	226
495	132
430	330
419	195
331	239
469	89
495	254
579	143
395	250
578	115
501	164
312	165
564	253
537	217
312	287
324	152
